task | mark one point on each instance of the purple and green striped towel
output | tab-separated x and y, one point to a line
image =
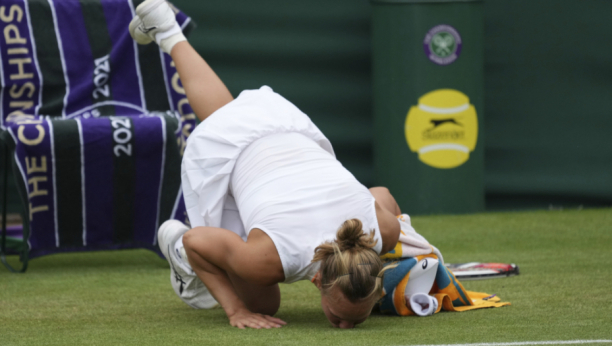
98	124
91	184
76	59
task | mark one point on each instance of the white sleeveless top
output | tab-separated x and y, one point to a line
282	173
299	194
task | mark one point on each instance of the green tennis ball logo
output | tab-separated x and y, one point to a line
442	128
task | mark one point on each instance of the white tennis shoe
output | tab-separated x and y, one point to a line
155	20
184	280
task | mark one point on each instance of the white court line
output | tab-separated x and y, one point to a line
560	342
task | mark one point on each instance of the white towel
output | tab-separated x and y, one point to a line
423	304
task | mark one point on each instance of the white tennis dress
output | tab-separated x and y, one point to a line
259	162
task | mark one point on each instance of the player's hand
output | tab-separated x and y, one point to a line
244	318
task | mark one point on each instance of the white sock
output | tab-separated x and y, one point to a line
167	39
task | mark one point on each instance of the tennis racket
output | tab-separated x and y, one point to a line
482	271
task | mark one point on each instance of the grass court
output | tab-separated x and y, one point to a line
124	297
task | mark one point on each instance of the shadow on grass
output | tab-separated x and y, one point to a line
213	321
119	260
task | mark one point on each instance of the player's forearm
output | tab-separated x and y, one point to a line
207	249
222	289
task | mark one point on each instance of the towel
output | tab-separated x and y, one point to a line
65	68
96	184
449	294
410	243
76	59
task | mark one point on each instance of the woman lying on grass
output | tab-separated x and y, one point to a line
267	200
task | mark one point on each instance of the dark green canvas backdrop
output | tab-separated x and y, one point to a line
315	53
402	75
549	102
548	85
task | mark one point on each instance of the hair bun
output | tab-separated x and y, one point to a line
351	264
351	235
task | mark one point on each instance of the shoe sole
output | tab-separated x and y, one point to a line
204	299
148	6
161	236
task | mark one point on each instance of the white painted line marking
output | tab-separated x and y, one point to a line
560	342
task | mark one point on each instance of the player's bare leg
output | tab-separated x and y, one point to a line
204	89
385	199
249	299
155	21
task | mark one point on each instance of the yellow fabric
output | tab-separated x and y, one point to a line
479	300
396	253
445	296
394	300
445	302
399	299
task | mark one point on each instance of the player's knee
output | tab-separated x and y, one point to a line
264	310
380	190
261	299
190	238
382	194
264	305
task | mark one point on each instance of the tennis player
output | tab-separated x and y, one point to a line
267	200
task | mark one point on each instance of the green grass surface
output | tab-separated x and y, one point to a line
125	298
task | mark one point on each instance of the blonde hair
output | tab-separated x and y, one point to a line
351	263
